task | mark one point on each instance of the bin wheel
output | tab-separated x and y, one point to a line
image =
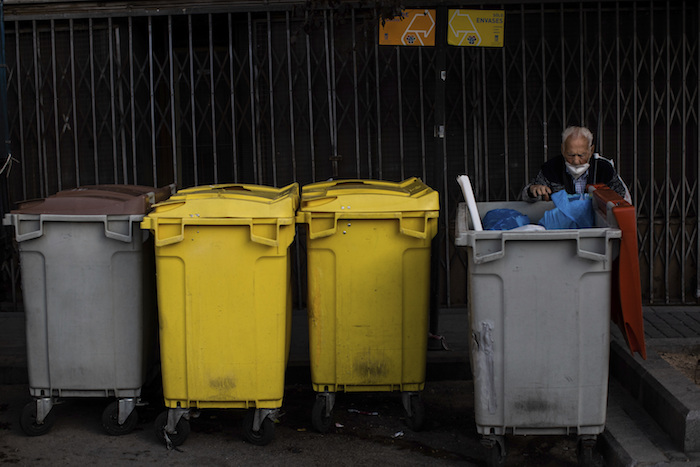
110	420
320	421
261	437
495	454
585	452
28	421
416	419
494	457
182	430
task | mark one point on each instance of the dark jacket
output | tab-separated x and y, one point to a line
553	174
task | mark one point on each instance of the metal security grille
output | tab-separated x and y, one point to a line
273	97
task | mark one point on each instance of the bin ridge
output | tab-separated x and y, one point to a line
239	201
354	195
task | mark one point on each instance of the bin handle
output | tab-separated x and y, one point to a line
111	232
415	233
16	220
481	259
154	225
420	234
324	233
111	224
180	236
602	257
564	235
265	240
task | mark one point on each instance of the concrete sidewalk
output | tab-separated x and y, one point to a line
653	414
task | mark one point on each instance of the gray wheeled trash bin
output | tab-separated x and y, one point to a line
539	326
89	299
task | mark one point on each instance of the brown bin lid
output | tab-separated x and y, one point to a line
97	200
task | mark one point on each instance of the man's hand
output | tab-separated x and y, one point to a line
540	190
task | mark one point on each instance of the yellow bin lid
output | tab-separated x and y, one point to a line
231	201
369	196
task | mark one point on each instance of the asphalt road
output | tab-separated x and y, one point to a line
368	429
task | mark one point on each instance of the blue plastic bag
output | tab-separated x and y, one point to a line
504	219
571	212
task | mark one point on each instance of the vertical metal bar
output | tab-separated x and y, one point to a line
293	149
92	101
601	117
478	118
441	120
232	78
292	130
151	98
55	105
20	107
312	147
355	92
112	103
667	147
686	117
618	90
697	175
271	81
465	123
330	88
193	116
74	102
484	176
526	110
545	119
504	91
379	107
132	101
367	98
253	114
652	171
334	89
177	176
120	93
422	115
581	51
563	59
440	167
400	99
635	105
212	98
256	102
38	108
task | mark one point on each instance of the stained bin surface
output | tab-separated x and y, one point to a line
368	250
539	323
224	294
88	288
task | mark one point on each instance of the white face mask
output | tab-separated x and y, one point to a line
577	170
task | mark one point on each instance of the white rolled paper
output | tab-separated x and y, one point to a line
466	185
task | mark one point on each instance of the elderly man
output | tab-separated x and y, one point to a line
577	167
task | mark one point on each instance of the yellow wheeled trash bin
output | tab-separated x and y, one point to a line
368	259
224	299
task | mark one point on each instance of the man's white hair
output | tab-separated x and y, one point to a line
577	132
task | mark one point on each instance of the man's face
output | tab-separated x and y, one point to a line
576	151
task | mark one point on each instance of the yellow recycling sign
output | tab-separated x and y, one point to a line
476	28
414	27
